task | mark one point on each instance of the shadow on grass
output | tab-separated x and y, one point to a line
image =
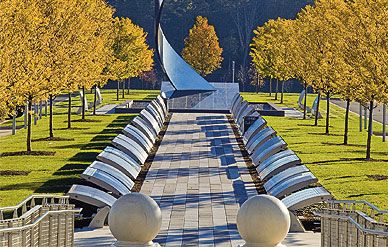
333	161
68	174
341	144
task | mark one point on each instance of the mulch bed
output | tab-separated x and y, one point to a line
251	168
54	139
25	153
377	177
14	173
147	165
85	121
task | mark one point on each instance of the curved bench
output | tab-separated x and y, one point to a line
306	198
134	133
90	195
242	125
159	110
284	175
151	121
121	161
293	184
154	112
108	177
130	147
248	110
277	167
143	126
270	147
241	109
258	125
162	104
259	139
236	102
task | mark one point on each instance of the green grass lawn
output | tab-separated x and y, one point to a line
341	169
24	175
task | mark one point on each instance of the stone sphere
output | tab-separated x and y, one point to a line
135	218
263	221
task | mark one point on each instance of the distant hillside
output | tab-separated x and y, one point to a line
234	22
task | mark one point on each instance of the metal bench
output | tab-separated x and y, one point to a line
258	125
247	111
162	104
121	161
159	110
154	112
284	175
277	166
130	147
306	198
259	139
293	184
134	133
90	195
241	109
108	177
151	120
143	126
270	147
242	125
236	102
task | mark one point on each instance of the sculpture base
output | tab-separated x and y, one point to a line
131	244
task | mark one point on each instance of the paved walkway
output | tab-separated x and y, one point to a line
199	179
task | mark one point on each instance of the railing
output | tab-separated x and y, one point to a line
30	202
353	223
49	224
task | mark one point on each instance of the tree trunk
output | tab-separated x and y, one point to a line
305	102
118	89
29	107
51	116
327	113
123	90
369	141
317	111
83	103
346	122
69	112
277	89
282	95
95	100
270	87
128	85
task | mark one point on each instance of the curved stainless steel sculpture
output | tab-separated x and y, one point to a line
183	78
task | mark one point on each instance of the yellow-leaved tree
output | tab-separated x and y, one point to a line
202	49
131	53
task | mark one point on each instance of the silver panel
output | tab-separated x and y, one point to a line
258	125
293	184
159	110
242	108
252	114
120	161
237	106
161	103
117	174
284	175
154	112
143	126
104	180
260	138
131	148
249	110
90	195
152	124
269	148
306	198
274	158
138	136
235	101
278	166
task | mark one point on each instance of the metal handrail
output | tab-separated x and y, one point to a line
366	231
31	202
375	208
41	218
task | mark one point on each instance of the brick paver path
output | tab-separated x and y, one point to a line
199	179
